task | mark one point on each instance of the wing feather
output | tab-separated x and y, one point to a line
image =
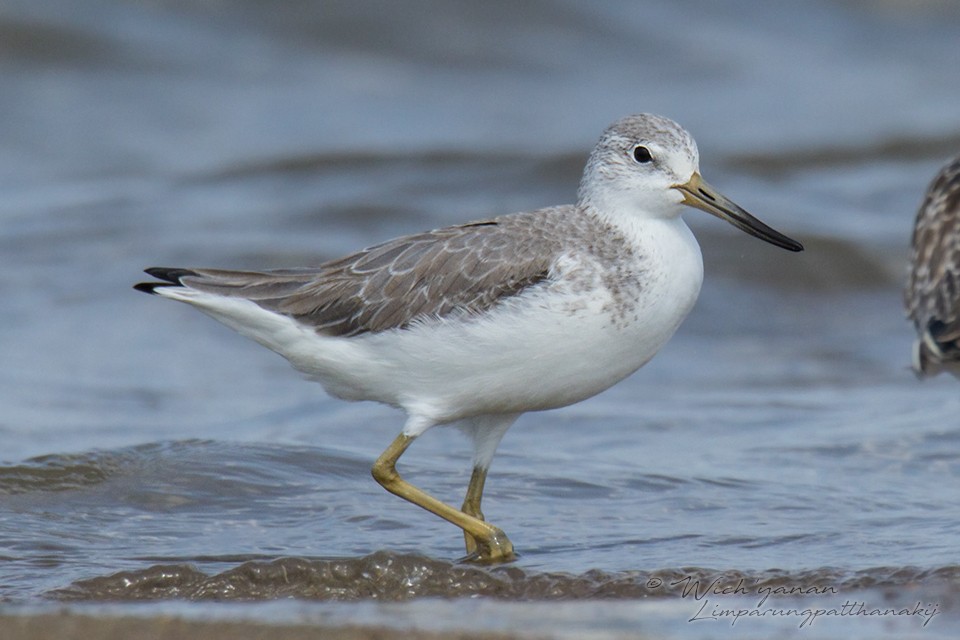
466	269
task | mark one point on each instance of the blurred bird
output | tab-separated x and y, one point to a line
932	295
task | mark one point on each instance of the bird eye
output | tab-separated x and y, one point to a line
641	154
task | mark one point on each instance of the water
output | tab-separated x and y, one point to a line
151	455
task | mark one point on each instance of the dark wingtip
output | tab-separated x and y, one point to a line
170	275
150	287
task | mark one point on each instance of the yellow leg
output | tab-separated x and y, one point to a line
471	505
492	545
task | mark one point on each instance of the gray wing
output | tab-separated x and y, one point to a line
933	287
463	269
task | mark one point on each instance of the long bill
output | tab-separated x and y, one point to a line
701	195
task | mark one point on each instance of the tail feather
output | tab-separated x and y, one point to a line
170	275
931	355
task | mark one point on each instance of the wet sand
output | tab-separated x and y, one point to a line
69	626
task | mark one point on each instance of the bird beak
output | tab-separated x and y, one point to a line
701	195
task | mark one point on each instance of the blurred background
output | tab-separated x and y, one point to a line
244	133
239	133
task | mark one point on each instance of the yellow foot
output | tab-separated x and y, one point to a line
497	548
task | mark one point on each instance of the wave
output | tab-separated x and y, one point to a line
391	576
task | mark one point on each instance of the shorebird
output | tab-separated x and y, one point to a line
932	295
475	324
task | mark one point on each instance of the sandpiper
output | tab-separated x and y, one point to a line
933	286
475	324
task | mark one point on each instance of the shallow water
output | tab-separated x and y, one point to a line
149	454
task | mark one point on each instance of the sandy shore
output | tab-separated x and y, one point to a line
71	626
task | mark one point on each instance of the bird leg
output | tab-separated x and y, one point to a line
471	505
491	544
